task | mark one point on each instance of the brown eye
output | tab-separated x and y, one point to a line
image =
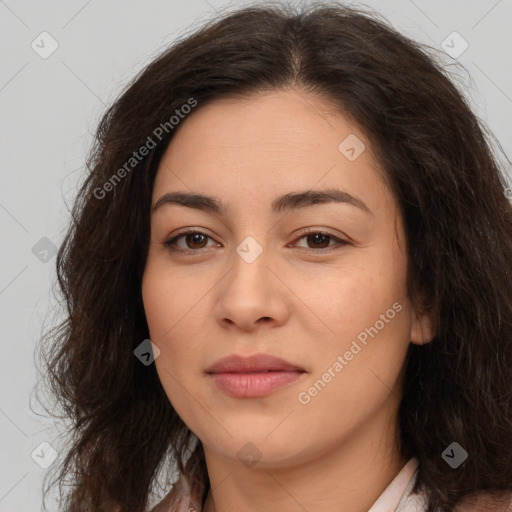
319	239
195	238
194	242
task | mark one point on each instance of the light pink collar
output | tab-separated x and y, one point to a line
388	501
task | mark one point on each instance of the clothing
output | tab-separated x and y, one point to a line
397	496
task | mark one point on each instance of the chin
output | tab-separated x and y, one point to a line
255	451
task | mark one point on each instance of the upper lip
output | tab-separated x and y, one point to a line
256	363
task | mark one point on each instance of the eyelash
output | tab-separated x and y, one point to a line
171	241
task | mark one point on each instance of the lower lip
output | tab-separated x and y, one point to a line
253	385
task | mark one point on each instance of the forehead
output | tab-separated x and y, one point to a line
267	145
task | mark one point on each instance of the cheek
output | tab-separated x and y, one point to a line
166	317
165	299
159	304
365	311
352	298
175	314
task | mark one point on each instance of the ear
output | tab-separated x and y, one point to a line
421	328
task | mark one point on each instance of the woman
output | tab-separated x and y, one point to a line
288	279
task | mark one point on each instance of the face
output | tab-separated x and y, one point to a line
320	284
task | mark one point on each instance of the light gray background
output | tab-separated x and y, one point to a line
50	108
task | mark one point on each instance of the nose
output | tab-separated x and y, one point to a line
251	295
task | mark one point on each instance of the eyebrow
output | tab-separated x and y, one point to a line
286	202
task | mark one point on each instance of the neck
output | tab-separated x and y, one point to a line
349	476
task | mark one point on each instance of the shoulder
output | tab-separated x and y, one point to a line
497	501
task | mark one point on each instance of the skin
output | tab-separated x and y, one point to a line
339	451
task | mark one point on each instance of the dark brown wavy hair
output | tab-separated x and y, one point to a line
440	163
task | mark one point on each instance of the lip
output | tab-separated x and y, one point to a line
254	376
255	363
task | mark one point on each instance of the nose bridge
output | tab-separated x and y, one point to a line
250	291
250	260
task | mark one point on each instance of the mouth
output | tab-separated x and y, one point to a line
254	376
